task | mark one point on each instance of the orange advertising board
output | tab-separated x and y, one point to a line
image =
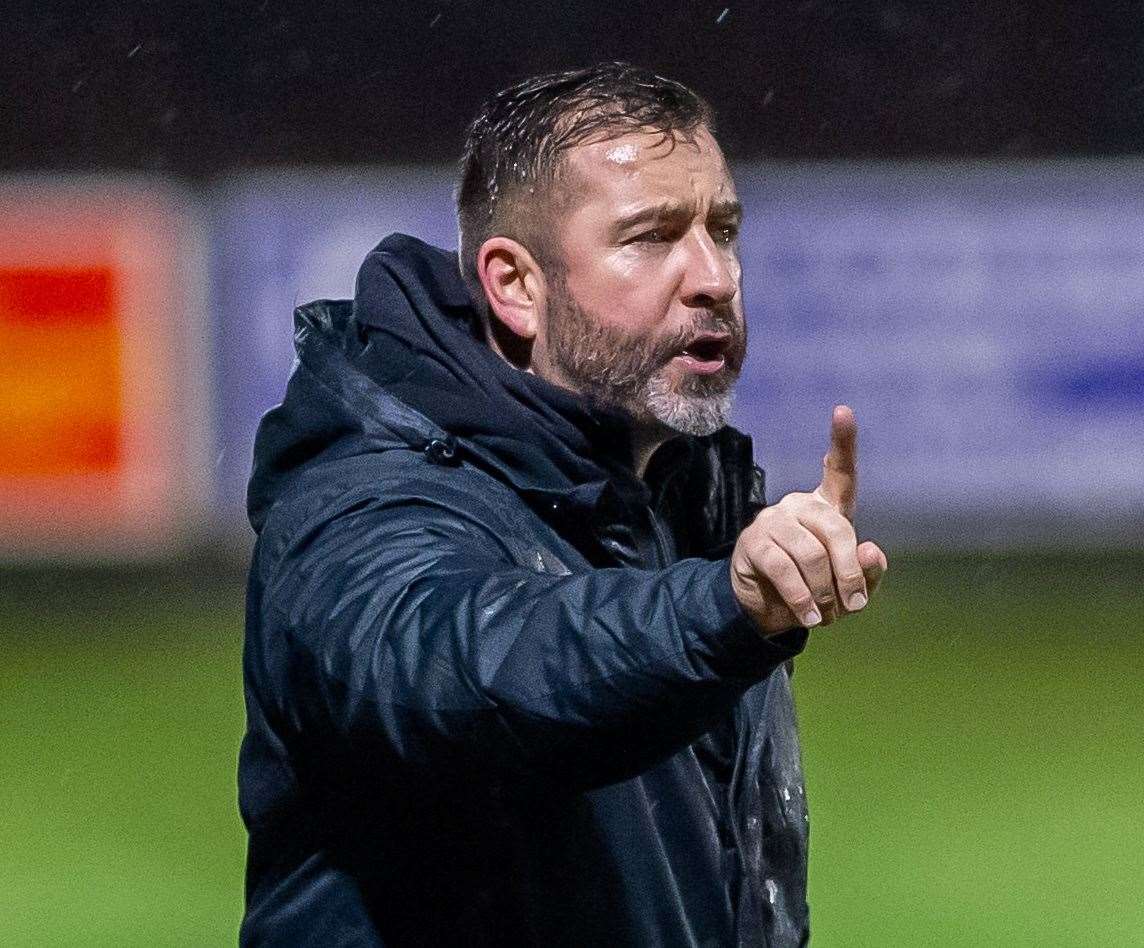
102	411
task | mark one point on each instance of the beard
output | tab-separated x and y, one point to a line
618	370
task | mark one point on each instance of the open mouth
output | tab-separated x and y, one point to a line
705	353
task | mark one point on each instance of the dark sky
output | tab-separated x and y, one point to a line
195	89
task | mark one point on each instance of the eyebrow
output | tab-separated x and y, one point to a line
673	210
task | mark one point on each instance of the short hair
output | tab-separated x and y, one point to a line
514	147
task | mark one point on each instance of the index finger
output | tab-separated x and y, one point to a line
839	485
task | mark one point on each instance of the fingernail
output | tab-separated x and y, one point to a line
857	601
811	617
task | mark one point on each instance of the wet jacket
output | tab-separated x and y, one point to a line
499	690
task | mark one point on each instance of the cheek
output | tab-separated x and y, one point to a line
626	292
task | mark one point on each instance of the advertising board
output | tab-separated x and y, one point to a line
984	321
104	413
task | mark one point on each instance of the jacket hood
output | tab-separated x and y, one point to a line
405	365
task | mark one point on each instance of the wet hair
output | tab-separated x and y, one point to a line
512	161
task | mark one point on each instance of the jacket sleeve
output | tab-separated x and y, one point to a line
411	629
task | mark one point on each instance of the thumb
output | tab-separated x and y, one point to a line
839	486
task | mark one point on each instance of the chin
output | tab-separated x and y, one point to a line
689	414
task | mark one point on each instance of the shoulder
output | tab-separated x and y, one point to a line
396	485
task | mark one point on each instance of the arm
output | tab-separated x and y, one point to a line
415	630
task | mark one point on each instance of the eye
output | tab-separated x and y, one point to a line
726	234
659	235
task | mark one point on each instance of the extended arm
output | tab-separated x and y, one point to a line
412	628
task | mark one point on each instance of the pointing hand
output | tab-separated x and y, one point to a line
800	562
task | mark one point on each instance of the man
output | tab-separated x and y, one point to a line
519	628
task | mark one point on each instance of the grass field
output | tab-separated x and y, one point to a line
974	749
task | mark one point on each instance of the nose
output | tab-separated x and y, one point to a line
709	279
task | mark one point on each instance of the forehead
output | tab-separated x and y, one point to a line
647	166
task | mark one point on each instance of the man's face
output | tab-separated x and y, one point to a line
644	310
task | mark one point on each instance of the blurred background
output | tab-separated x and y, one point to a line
945	229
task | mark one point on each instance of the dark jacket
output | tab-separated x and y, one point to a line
499	690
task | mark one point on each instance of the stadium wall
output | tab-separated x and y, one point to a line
982	318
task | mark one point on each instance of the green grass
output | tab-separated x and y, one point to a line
974	757
973	749
121	713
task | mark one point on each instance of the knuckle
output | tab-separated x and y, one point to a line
814	556
840	531
773	560
800	603
763	516
786	518
824	599
792	501
742	565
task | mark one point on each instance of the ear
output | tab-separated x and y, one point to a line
515	288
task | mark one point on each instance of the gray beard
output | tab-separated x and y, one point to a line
614	370
687	414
